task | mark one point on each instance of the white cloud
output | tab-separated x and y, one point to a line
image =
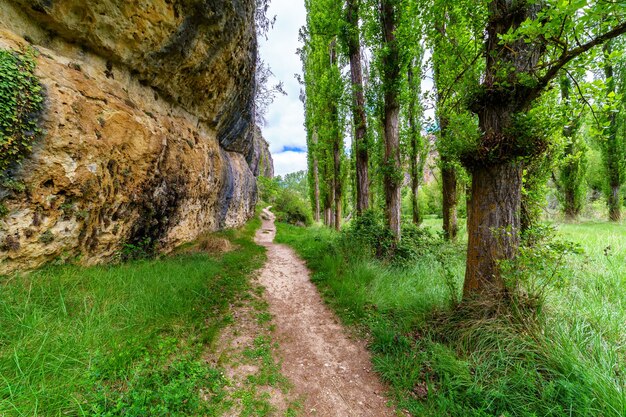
287	162
285	127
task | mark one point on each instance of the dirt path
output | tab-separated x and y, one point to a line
330	371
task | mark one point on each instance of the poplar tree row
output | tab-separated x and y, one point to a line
515	83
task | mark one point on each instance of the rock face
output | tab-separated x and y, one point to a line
262	163
149	134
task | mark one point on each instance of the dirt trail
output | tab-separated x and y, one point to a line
331	371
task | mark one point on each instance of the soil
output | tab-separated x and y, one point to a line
329	371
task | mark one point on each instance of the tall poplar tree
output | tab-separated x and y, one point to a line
391	76
613	142
353	43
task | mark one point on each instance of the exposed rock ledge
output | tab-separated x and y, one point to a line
142	140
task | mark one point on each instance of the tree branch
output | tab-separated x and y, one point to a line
556	66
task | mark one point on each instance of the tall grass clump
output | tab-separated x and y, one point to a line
120	340
552	345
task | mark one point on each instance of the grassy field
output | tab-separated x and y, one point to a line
564	354
121	340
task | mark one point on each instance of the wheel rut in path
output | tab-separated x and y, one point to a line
328	369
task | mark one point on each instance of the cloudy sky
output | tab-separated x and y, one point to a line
285	119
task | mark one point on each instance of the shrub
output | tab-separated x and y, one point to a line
370	234
291	208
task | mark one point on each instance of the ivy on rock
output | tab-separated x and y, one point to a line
21	106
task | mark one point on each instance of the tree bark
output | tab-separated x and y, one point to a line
615	204
493	224
611	147
338	183
358	109
316	181
450	201
391	75
418	151
494	209
337	149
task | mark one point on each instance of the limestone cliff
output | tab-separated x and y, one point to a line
263	164
149	134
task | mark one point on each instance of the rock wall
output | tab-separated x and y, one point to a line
262	162
149	134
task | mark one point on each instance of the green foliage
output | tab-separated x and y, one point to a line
21	104
144	249
123	340
269	188
370	234
287	197
291	208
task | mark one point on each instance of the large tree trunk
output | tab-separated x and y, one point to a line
450	201
358	110
391	73
494	210
493	224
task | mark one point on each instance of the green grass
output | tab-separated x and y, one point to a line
120	340
484	358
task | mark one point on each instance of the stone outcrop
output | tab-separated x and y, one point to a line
261	163
149	133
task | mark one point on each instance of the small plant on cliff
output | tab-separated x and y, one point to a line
21	104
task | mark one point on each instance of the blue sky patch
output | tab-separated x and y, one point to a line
293	149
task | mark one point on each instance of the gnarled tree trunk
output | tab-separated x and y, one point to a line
493	224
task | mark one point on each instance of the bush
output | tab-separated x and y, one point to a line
290	208
288	203
370	234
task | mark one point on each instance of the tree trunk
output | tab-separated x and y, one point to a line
571	176
418	152
494	210
493	224
358	110
316	182
391	73
328	217
450	201
337	149
611	151
615	204
415	186
337	195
